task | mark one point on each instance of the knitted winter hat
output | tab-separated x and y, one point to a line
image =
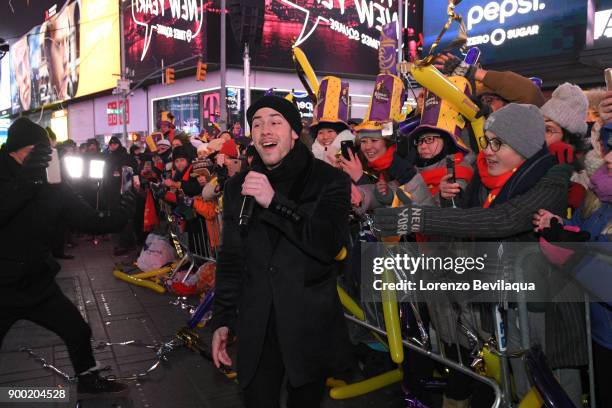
592	162
115	140
282	106
336	127
230	149
181	151
519	126
568	108
164	142
23	132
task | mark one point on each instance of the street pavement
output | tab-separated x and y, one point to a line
119	312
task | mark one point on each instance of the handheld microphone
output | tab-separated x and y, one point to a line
246	211
248	205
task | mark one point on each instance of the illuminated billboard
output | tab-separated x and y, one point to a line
163	32
5	84
337	36
510	30
72	52
602	23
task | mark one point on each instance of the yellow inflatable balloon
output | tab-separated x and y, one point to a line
154	273
392	320
492	364
429	77
350	304
334	382
305	72
532	400
366	386
342	254
139	282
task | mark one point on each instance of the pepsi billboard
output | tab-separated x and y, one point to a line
510	30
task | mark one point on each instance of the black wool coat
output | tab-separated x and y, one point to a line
111	185
30	216
283	268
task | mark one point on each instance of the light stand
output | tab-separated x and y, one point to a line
96	172
75	168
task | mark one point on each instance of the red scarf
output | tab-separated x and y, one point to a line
432	177
383	162
186	175
493	183
170	195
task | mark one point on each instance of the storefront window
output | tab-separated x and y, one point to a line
235	112
4	125
186	111
199	114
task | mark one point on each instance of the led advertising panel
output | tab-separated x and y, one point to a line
4	125
5	84
602	24
511	30
337	36
73	51
163	32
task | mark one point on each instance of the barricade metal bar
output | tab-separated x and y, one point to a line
502	341
440	359
192	243
587	312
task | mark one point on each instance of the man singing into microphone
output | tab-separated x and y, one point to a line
276	276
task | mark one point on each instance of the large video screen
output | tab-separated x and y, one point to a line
337	36
73	51
5	84
510	30
602	29
164	32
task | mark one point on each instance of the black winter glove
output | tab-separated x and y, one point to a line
159	190
465	70
402	166
451	63
398	221
483	109
385	199
33	167
183	199
453	66
557	234
222	176
127	205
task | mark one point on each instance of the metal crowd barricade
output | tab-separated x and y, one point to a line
191	237
489	359
384	321
200	242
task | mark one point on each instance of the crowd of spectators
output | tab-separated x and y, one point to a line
542	166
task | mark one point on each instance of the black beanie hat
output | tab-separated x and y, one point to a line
23	132
282	106
336	127
114	139
180	151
